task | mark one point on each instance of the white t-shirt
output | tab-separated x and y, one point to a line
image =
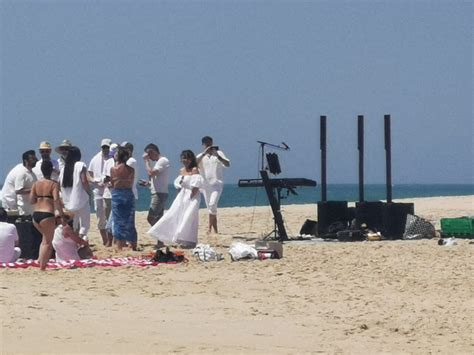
96	167
132	162
211	169
39	174
8	237
66	248
18	178
74	197
159	182
107	167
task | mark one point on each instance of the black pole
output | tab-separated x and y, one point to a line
360	147
388	157
322	132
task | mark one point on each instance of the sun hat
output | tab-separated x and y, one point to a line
106	142
45	145
64	144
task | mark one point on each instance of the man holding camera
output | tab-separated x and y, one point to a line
211	163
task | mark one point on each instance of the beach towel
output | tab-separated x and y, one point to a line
71	264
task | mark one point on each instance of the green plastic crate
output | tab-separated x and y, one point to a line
457	227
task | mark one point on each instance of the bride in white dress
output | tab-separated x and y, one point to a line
179	225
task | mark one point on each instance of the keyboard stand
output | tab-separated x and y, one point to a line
279	232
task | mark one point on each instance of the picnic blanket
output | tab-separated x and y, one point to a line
71	264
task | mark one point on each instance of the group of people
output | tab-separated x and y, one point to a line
56	194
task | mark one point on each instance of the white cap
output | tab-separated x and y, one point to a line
106	141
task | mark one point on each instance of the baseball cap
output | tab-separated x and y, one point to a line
106	141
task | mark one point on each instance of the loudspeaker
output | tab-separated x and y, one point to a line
330	212
370	213
30	239
394	219
309	228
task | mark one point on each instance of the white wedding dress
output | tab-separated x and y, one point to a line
179	225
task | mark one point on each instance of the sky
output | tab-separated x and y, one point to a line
171	72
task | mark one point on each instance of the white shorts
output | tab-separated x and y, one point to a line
212	193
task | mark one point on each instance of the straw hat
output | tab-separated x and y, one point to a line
45	146
64	144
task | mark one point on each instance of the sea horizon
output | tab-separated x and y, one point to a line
235	196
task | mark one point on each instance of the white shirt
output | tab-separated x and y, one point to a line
8	237
107	167
132	162
211	169
66	248
74	197
96	167
159	182
39	173
18	178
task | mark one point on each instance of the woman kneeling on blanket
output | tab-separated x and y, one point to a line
67	243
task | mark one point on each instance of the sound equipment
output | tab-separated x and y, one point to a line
29	239
330	212
283	183
394	217
274	187
370	213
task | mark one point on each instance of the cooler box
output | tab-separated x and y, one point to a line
462	227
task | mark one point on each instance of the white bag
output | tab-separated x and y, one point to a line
239	251
204	252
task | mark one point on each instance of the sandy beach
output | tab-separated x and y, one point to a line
367	297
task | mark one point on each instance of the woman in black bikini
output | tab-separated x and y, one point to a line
45	196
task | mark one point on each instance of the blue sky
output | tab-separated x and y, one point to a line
170	72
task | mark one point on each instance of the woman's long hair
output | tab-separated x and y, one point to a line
188	154
73	156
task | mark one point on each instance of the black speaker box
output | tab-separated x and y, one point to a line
30	239
370	213
330	212
394	219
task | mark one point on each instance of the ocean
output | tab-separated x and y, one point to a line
234	196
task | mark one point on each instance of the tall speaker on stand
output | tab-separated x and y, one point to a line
394	214
329	212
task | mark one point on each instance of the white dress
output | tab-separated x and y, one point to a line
179	225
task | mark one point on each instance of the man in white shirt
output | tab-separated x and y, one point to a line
211	163
157	168
18	183
9	250
96	177
45	152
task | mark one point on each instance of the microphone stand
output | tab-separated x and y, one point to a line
262	150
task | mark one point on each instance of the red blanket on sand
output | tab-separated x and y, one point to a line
110	262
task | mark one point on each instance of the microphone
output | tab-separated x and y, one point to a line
285	145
